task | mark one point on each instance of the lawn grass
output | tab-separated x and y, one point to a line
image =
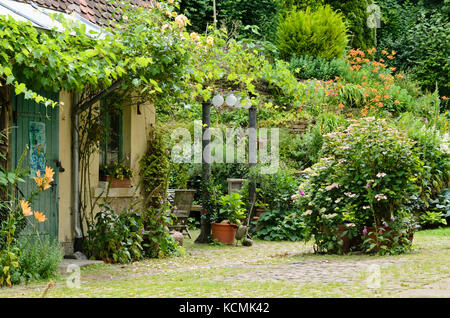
229	271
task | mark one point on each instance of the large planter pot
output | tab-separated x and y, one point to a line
118	183
347	243
224	232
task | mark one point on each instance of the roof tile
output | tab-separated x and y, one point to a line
96	11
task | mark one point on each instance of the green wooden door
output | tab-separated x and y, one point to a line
37	127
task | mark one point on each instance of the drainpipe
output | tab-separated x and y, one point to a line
75	176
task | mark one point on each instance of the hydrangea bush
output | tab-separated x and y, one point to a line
367	172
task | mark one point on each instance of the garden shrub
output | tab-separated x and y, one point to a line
273	190
367	172
300	151
39	260
320	33
115	238
306	67
418	30
429	42
154	172
279	225
356	15
260	13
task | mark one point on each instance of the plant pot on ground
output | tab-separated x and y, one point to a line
226	220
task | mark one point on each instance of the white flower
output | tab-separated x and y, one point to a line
350	195
332	186
308	212
381	174
380	196
366	207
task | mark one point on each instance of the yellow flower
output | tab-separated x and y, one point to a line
181	20
194	36
26	209
210	40
40	217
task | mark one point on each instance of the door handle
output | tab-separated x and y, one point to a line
59	165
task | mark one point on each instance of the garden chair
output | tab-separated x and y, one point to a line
182	204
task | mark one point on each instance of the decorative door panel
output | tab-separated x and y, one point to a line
36	127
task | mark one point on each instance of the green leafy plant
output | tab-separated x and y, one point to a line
320	33
432	219
115	238
276	225
307	67
38	260
118	170
231	209
356	14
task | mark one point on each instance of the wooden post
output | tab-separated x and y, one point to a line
214	14
206	167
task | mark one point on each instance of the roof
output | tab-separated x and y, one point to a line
95	11
41	17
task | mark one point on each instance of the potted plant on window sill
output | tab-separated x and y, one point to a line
226	220
118	175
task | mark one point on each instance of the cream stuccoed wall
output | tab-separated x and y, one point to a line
136	126
65	190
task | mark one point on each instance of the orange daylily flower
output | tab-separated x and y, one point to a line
49	173
26	209
341	106
397	102
40	217
43	183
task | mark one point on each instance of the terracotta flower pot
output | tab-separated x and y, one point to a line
224	232
117	183
259	212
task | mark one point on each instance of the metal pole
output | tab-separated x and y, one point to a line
75	176
252	156
206	167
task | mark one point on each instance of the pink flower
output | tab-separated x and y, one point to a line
301	193
364	231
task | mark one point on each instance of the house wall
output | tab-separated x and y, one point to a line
135	134
65	191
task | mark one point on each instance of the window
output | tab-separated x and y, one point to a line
111	144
